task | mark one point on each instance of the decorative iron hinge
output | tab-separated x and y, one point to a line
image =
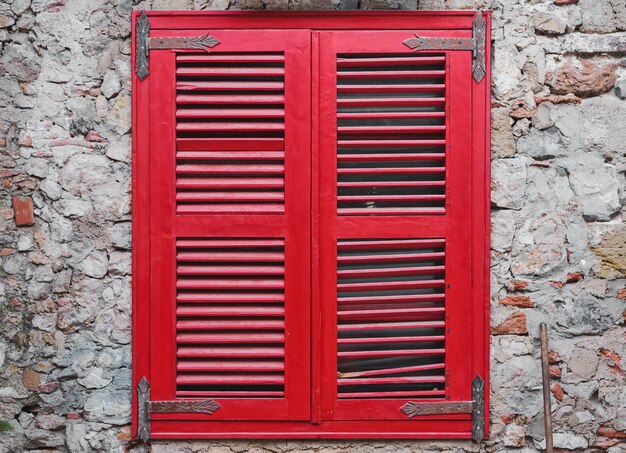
143	44
145	408
476	407
476	44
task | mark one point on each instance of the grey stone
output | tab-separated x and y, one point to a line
20	6
503	230
76	208
120	235
43	438
582	43
566	441
620	88
95	264
62	281
25	242
95	379
542	119
51	188
508	179
604	137
111	407
598	16
582	365
548	24
49	421
76	438
119	150
502	141
110	84
542	144
595	184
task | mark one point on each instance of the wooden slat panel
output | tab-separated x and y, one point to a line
230	86
390	61
230	113
230	144
195	71
231	352
221	366
229	183
229	99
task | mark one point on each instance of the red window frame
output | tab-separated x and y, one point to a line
313	410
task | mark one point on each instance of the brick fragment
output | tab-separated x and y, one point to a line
93	136
606	431
615	361
30	379
518	301
23	211
556	284
518	285
573	277
565	2
554	371
554	357
513	325
73	415
6	251
557	391
621	294
592	79
48	387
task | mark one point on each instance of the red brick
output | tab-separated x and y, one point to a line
23	210
557	391
48	387
513	325
554	371
30	379
93	136
615	361
556	284
611	432
518	285
73	415
573	277
517	301
593	79
558	99
507	419
565	2
553	357
6	251
621	294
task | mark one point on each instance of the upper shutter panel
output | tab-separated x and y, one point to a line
230	130
391	134
230	226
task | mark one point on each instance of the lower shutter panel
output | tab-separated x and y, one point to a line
230	318
391	318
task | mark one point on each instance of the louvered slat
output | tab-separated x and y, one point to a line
230	317
391	135
230	126
391	318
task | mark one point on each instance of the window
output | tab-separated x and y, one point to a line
310	196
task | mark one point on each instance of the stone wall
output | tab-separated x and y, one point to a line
558	235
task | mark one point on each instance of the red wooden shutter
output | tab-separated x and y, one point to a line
395	226
229	226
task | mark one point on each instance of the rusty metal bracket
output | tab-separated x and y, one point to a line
476	407
143	44
476	44
145	408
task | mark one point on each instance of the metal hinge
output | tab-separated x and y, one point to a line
476	407
476	44
145	408
143	44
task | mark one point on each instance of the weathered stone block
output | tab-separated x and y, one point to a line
584	78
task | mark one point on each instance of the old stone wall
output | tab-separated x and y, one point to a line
558	234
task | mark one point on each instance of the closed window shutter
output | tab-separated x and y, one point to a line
394	226
230	239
